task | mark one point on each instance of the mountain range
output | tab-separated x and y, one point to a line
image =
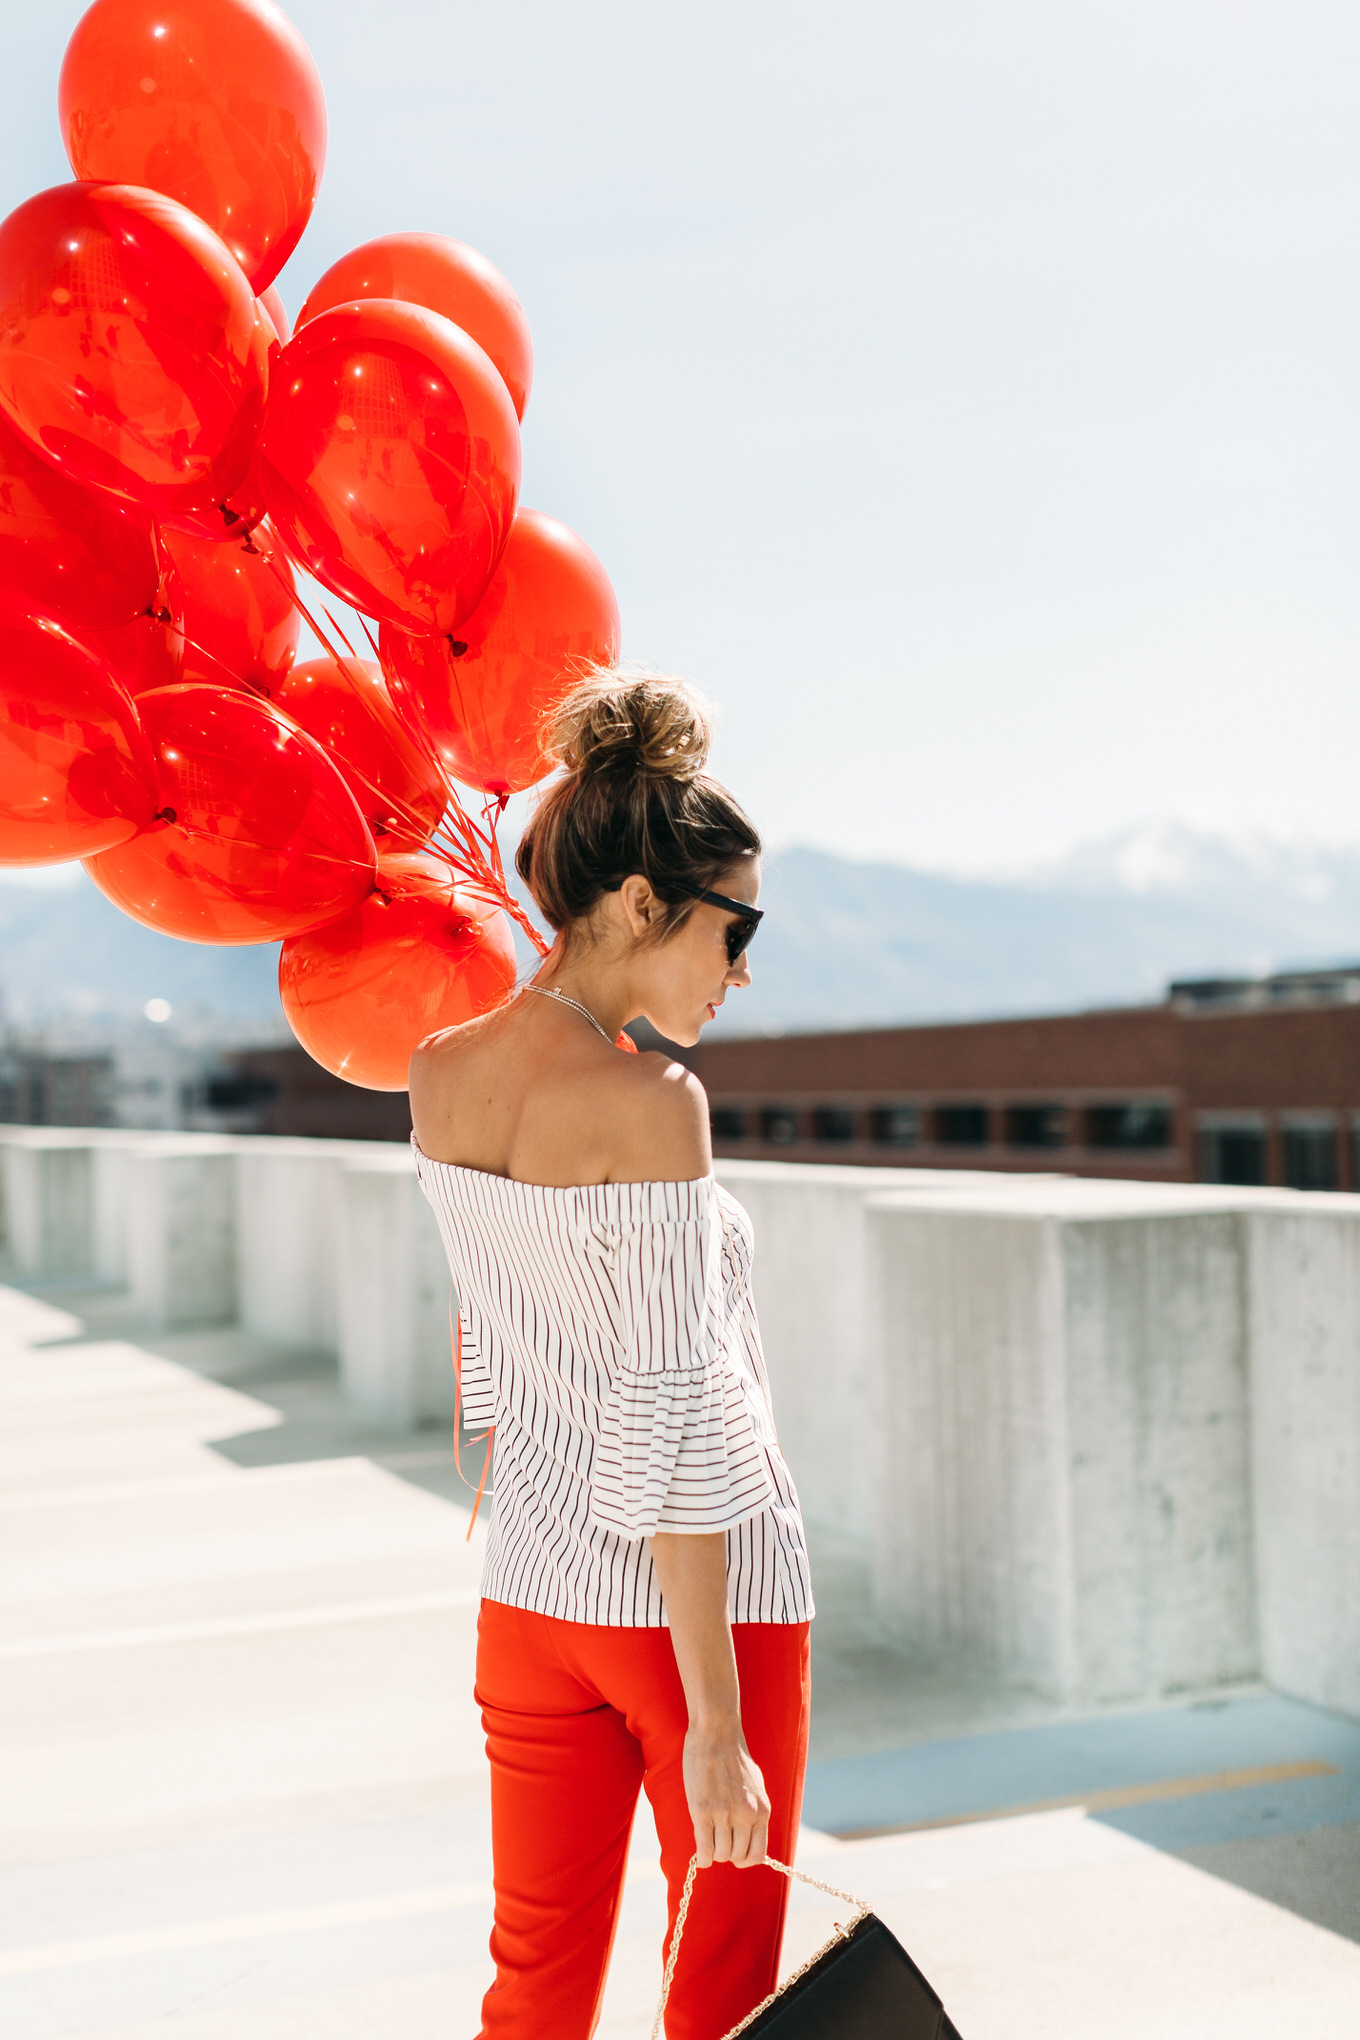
843	944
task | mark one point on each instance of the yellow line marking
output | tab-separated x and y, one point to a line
448	1898
1110	1798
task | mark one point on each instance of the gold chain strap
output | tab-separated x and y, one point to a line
841	1934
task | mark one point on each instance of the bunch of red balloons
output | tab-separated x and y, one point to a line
168	447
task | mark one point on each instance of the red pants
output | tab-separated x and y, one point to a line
577	1717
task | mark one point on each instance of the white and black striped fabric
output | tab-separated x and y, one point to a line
609	1334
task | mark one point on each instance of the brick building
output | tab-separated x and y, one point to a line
1229	1081
281	1090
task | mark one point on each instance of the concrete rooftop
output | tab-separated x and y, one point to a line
244	1790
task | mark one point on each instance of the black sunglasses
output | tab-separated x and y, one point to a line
737	937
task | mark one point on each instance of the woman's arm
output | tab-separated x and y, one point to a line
726	1793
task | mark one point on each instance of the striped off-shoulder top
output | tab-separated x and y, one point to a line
609	1334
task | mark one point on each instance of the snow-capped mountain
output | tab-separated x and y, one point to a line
842	944
1207	859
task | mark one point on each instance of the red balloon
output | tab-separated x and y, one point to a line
76	771
79	554
142	655
239	620
274	309
416	956
256	835
446	277
390	459
227	522
149	652
131	353
217	103
345	705
245	508
547	617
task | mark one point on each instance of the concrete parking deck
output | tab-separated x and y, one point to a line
244	1791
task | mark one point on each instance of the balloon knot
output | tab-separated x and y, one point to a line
457	647
165	814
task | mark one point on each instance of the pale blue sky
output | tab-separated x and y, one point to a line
964	396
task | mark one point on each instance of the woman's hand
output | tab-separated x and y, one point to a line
727	1799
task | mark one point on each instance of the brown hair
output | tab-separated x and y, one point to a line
634	799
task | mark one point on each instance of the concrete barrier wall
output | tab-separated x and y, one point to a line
1062	1488
814	1330
1098	1438
47	1203
65	1206
181	1231
288	1229
1304	1340
396	1297
811	1278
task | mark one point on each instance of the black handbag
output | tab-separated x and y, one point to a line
861	1985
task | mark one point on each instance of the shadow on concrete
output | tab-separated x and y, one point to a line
317	1421
1315	1874
895	1743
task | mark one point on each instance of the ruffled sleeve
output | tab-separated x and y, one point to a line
677	1449
477	1397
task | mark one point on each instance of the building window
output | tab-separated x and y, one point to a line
1310	1156
1036	1126
237	1093
1232	1154
897	1125
727	1122
833	1122
779	1125
1131	1126
961	1125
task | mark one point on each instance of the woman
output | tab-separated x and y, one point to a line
646	1595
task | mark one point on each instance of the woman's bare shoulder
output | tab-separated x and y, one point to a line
659	1116
444	1058
450	1044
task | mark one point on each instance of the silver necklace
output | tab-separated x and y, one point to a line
551	992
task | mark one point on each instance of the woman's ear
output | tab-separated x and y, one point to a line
641	907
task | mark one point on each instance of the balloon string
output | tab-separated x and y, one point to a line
486	838
405	812
480	878
408	814
259	692
467	723
472	853
338	632
254	687
471	858
171	817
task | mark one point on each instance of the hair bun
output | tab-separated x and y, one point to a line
631	721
